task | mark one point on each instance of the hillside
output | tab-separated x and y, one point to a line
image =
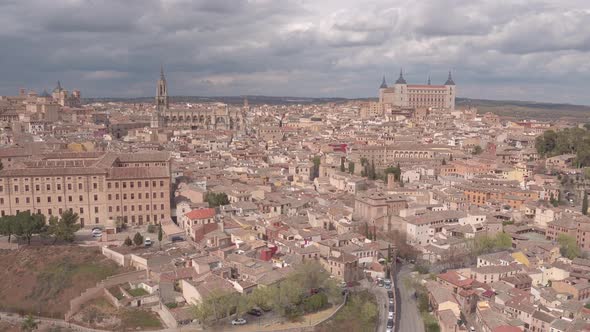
43	280
528	109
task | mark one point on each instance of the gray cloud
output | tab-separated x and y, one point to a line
517	49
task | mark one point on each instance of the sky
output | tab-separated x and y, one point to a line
509	49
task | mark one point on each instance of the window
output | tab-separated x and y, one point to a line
117	185
49	211
118	208
1	200
38	199
26	187
124	196
69	186
94	186
109	185
79	186
81	210
132	207
161	183
153	195
58	186
48	187
147	184
162	194
124	184
162	206
16	201
15	188
69	198
139	195
1	189
48	199
95	197
59	199
96	209
110	209
117	196
147	207
81	198
132	196
27	200
138	184
131	184
109	196
153	183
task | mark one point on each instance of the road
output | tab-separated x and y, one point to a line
409	319
382	303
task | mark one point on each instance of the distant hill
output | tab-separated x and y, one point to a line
527	109
506	108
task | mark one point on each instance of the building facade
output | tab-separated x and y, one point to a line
131	188
404	95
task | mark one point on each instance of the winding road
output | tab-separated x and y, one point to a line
408	317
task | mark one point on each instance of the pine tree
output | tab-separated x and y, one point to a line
138	239
367	230
444	161
342	168
585	203
160	235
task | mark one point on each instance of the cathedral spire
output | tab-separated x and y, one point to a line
428	79
450	80
401	79
383	84
162	77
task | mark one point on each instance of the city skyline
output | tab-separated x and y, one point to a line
296	48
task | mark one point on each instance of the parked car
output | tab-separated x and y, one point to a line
390	294
472	329
177	238
391	309
390	315
96	232
239	321
391	300
255	312
380	282
390	323
148	242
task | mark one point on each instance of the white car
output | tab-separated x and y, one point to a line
96	232
472	329
239	321
390	315
147	242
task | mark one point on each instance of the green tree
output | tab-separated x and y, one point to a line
585	203
216	199
568	246
395	170
9	226
444	162
29	324
477	150
315	171
160	235
342	168
503	241
128	242
351	167
138	239
64	228
30	225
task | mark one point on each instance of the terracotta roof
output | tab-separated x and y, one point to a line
201	214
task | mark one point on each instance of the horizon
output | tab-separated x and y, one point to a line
297	48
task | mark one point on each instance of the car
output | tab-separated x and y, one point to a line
96	229
391	309
255	312
390	315
148	242
472	329
390	323
380	282
388	330
177	238
390	294
391	300
387	286
97	233
239	321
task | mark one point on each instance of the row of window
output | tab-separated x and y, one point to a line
139	208
81	186
132	196
132	184
38	199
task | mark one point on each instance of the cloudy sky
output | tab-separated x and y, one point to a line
512	49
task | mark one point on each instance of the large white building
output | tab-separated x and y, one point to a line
402	94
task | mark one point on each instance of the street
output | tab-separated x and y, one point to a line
382	303
409	319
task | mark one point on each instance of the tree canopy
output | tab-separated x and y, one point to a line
570	140
216	199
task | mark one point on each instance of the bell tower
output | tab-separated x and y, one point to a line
161	99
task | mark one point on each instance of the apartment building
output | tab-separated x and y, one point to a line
131	188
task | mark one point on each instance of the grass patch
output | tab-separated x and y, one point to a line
116	292
136	292
56	278
358	315
430	322
133	319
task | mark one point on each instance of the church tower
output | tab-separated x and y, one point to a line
161	100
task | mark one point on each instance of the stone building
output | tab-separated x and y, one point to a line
402	94
132	188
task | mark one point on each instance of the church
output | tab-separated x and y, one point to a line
404	95
218	116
